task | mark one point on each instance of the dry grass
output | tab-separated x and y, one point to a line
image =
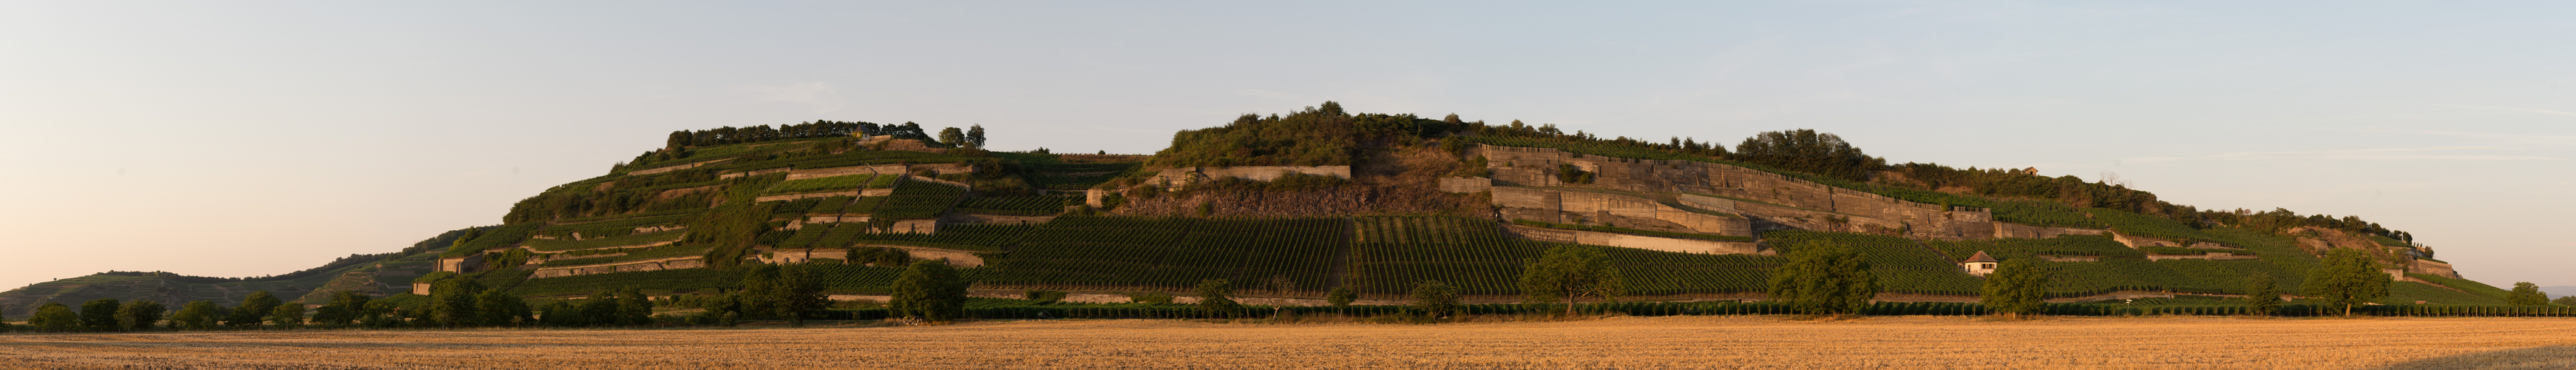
1665	342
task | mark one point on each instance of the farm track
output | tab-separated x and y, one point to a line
1622	342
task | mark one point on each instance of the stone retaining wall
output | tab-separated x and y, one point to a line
1179	178
1791	202
1677	245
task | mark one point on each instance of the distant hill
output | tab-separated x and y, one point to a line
2558	291
1289	206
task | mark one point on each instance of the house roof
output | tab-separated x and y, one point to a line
1982	257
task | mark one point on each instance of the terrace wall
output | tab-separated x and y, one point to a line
1178	178
1637	241
1776	199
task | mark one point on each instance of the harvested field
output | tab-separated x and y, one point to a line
1624	342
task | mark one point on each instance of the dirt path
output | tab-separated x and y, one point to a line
1664	342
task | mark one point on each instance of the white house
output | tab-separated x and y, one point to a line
1980	265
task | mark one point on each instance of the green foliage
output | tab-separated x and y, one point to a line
346	307
196	315
1570	273
1569	174
1824	278
54	317
289	315
1623	230
2564	301
731	229
2016	288
2262	295
1808	151
139	314
2526	294
1312	137
253	310
1898	264
1341	297
100	314
2348	278
452	302
1216	298
496	237
929	290
1434	299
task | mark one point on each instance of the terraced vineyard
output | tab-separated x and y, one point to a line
2134	224
1902	265
560	245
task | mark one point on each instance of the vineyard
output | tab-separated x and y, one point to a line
1902	265
560	245
1022	206
970	237
2012	248
918	200
1175	253
834	183
2133	224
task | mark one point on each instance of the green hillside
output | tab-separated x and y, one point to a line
686	218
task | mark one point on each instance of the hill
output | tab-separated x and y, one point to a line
1290	206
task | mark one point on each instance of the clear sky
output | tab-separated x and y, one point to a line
255	138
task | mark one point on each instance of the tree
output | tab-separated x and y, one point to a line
2565	301
800	293
633	309
100	314
451	302
597	310
952	137
2347	278
1824	278
1341	298
2017	288
975	136
929	290
140	314
54	317
759	295
254	309
2526	294
1570	272
497	308
345	307
1808	151
287	316
196	315
1435	299
2262	298
1216	297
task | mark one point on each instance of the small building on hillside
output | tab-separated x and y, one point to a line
1981	264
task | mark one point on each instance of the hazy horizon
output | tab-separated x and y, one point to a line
256	139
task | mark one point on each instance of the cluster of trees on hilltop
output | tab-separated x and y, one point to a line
816	129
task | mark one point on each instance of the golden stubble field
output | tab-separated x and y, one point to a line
1619	342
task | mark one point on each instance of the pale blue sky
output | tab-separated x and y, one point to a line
248	138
